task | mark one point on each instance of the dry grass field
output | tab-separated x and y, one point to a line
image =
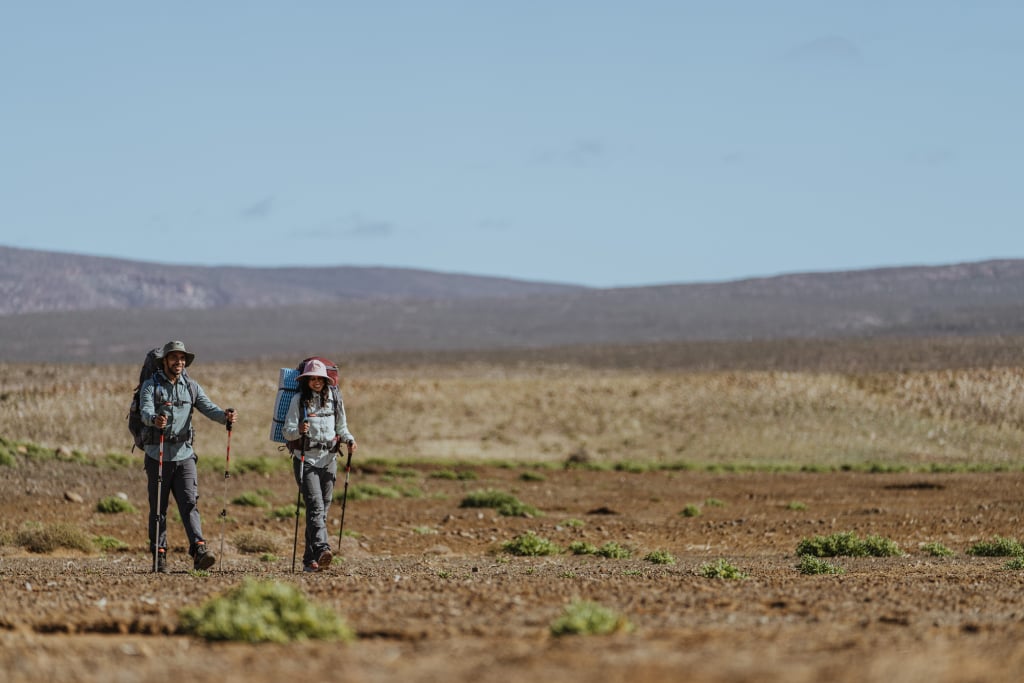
615	406
727	464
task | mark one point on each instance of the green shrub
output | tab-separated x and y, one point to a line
814	565
116	461
505	504
833	545
690	510
795	505
260	465
368	491
997	547
7	451
109	543
455	475
264	611
530	544
660	557
284	512
582	617
43	539
714	503
573	523
112	505
250	499
614	551
582	548
848	544
721	569
401	472
936	549
532	476
489	498
1015	564
878	546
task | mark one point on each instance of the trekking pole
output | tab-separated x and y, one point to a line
159	496
227	474
298	500
344	495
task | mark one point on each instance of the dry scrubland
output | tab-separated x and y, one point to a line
532	409
729	466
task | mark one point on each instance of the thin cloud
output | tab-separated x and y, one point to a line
369	228
581	153
260	210
932	157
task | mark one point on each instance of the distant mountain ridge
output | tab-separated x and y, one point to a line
248	313
40	281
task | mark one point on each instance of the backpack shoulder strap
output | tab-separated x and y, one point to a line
336	397
193	389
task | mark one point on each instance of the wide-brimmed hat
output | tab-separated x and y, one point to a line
315	368
172	346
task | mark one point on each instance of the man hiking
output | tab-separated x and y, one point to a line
166	402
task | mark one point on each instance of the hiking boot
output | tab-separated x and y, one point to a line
203	559
311	567
325	559
161	561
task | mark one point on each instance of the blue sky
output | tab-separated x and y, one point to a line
598	143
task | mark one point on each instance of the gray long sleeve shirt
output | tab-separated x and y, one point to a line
177	434
323	428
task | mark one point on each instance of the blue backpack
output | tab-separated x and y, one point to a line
288	386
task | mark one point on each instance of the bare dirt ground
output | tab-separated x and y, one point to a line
432	598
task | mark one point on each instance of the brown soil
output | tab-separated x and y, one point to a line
432	598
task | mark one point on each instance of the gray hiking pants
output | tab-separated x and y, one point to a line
180	479
317	487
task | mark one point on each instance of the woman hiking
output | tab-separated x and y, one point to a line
315	427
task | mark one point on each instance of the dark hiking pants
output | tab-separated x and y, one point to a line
181	480
317	486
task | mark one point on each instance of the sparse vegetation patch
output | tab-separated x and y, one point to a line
997	547
530	544
264	611
38	538
586	618
113	505
848	544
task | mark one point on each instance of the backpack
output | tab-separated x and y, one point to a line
288	386
143	434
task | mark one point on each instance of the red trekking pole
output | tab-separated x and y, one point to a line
159	496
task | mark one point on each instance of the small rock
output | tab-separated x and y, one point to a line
122	495
73	497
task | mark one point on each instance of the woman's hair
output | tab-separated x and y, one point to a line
307	393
